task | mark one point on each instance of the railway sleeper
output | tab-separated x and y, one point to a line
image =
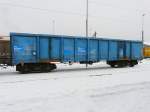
35	67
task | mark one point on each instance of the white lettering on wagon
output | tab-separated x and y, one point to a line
17	48
81	50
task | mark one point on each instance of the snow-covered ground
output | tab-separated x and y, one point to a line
77	89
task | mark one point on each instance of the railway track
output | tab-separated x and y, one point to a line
56	76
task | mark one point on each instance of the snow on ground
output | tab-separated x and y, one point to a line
77	89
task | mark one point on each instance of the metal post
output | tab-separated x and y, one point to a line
143	33
87	21
143	29
87	17
53	27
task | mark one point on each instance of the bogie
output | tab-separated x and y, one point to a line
35	67
122	63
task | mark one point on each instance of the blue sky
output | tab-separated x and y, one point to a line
110	18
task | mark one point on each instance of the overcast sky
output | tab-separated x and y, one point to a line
109	18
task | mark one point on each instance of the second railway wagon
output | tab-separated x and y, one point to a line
38	52
5	52
146	52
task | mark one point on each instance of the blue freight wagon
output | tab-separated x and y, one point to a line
37	52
